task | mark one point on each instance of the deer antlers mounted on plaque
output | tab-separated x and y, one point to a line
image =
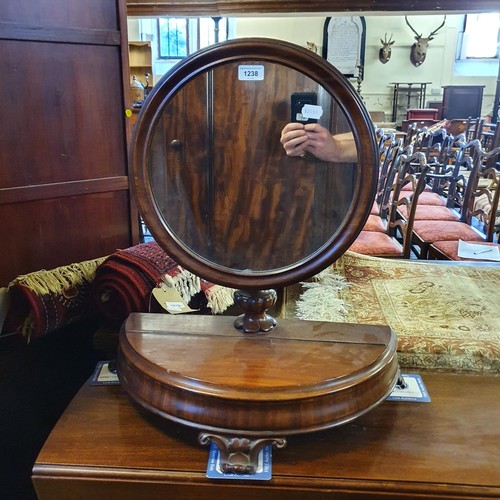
418	50
384	54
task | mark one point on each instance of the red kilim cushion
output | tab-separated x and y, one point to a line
431	212
436	230
374	243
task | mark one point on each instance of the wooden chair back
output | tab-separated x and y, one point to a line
412	172
386	161
481	198
473	128
387	185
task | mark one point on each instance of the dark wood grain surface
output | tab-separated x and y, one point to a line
226	7
301	376
104	445
64	194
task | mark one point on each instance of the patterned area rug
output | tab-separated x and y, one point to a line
445	316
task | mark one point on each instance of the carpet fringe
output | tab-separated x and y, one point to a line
186	283
322	300
219	298
58	280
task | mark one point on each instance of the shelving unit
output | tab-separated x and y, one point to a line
140	59
407	95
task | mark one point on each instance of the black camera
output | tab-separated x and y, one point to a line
298	99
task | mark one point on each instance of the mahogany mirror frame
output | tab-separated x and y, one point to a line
296	58
359	7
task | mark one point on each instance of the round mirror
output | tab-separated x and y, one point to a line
214	183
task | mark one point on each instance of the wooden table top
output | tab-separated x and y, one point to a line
449	448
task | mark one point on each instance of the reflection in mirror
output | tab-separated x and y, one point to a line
222	181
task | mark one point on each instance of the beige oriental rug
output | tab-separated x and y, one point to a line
446	316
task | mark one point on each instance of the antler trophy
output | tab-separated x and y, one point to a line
384	54
419	48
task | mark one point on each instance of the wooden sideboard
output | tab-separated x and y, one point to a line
106	447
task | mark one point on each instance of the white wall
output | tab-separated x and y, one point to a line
438	68
376	90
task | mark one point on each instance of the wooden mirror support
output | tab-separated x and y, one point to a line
231	207
255	304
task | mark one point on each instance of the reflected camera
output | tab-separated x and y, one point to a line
298	99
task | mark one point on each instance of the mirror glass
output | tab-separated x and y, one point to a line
221	180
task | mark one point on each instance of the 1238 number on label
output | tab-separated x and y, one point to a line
251	72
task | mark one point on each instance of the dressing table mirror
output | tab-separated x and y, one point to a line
222	198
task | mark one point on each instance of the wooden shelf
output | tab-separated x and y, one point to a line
140	59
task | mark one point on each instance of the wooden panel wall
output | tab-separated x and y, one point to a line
63	143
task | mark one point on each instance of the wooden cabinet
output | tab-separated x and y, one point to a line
462	101
106	447
64	192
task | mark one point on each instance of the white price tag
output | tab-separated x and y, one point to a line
174	306
312	111
170	299
251	72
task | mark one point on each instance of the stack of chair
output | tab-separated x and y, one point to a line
387	172
481	205
431	232
387	147
394	239
440	200
388	158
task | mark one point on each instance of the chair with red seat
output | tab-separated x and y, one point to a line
395	241
449	176
483	207
427	232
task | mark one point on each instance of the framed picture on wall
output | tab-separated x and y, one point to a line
344	40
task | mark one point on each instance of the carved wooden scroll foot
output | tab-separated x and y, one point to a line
239	455
255	304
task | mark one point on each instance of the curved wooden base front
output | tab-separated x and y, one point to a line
303	376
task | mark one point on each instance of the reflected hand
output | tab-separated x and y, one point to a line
320	142
299	139
294	139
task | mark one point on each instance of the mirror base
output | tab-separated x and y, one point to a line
196	370
255	304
